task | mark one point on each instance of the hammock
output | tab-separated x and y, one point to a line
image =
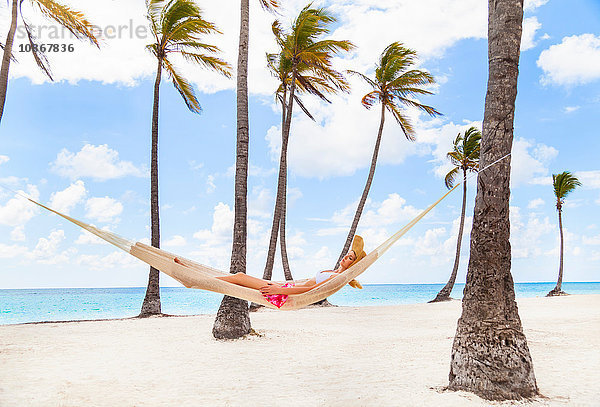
195	275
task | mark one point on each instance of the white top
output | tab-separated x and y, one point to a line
324	275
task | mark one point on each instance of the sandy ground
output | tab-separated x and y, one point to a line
369	356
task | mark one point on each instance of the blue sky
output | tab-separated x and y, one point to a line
82	144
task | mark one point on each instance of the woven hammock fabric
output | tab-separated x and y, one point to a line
195	275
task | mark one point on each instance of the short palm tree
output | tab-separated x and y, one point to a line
177	26
233	319
394	86
303	65
72	20
465	157
564	183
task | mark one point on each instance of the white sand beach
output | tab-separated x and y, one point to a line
342	356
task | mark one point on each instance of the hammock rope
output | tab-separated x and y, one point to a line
199	276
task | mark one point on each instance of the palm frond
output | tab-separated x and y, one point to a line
402	121
364	77
183	87
40	58
208	61
270	5
427	109
74	21
451	177
304	109
370	99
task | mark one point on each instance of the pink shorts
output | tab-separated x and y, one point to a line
278	299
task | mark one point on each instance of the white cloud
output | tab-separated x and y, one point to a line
529	163
18	234
526	234
530	27
3	159
575	61
589	179
536	203
65	200
86	238
222	225
18	211
98	162
11	251
530	5
175	241
571	109
429	26
114	260
210	184
47	251
593	240
103	209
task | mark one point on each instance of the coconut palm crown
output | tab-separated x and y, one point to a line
464	155
564	183
177	27
396	83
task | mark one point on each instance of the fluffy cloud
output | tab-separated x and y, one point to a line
98	162
589	179
571	109
530	161
429	26
103	209
530	27
18	234
531	5
11	251
575	61
593	240
526	234
18	211
3	159
536	203
47	251
86	238
114	260
221	227
175	241
65	200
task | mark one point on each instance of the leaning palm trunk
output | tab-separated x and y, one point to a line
365	194
278	213
151	304
490	355
6	57
444	294
233	319
558	289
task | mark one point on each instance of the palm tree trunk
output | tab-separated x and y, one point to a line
233	318
283	204
278	213
444	294
490	355
151	304
363	198
7	55
558	289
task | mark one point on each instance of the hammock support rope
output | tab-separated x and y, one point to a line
196	275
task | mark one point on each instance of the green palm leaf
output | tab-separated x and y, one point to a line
183	87
564	183
72	20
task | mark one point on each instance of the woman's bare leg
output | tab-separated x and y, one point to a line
245	280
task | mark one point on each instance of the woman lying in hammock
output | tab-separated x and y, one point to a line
277	293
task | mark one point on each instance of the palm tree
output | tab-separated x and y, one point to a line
564	183
465	157
394	84
232	320
305	66
490	356
177	26
72	20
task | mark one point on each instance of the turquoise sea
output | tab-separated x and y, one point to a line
63	304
